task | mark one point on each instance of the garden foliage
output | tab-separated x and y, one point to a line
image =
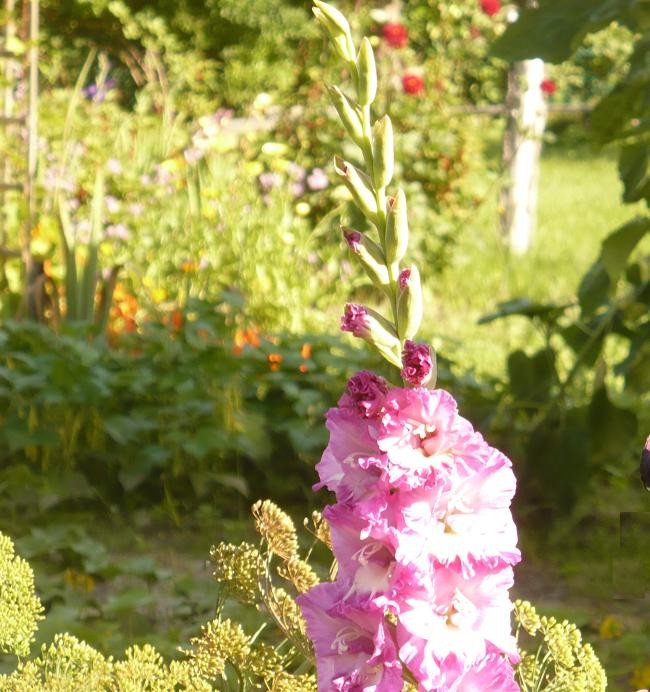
581	397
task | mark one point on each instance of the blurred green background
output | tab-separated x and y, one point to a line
184	155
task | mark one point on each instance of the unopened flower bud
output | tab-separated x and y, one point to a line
409	303
359	186
382	152
367	73
365	394
419	364
397	228
369	254
347	112
337	27
645	464
368	325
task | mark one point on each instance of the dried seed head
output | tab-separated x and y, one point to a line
299	573
276	528
238	568
319	528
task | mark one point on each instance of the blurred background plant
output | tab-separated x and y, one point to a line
204	378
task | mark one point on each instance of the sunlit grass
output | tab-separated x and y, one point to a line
579	205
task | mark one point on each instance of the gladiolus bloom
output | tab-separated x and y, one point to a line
425	544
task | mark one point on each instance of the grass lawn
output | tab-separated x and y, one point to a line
579	204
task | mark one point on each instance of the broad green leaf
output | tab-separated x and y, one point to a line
633	170
594	288
526	308
554	29
531	377
618	246
611	429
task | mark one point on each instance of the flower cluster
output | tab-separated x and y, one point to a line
425	544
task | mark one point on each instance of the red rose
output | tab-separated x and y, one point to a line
412	83
548	86
491	7
396	35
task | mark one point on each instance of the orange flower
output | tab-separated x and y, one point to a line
246	337
305	351
274	360
177	320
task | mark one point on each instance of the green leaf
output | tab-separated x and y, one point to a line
612	430
594	288
531	377
579	338
204	441
553	30
633	170
618	246
125	429
627	102
140	468
526	308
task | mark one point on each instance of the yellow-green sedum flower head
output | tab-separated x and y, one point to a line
20	608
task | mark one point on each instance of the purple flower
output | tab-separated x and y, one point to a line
297	189
353	239
98	92
355	646
355	320
296	171
417	363
317	180
118	231
268	181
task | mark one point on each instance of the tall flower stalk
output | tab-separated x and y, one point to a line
421	528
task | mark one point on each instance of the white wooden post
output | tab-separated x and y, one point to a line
522	145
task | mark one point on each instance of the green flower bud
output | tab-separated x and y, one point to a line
409	303
373	328
382	152
397	228
359	185
370	256
367	73
348	113
338	29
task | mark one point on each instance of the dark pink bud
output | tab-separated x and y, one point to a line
364	394
355	320
404	278
417	363
353	239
